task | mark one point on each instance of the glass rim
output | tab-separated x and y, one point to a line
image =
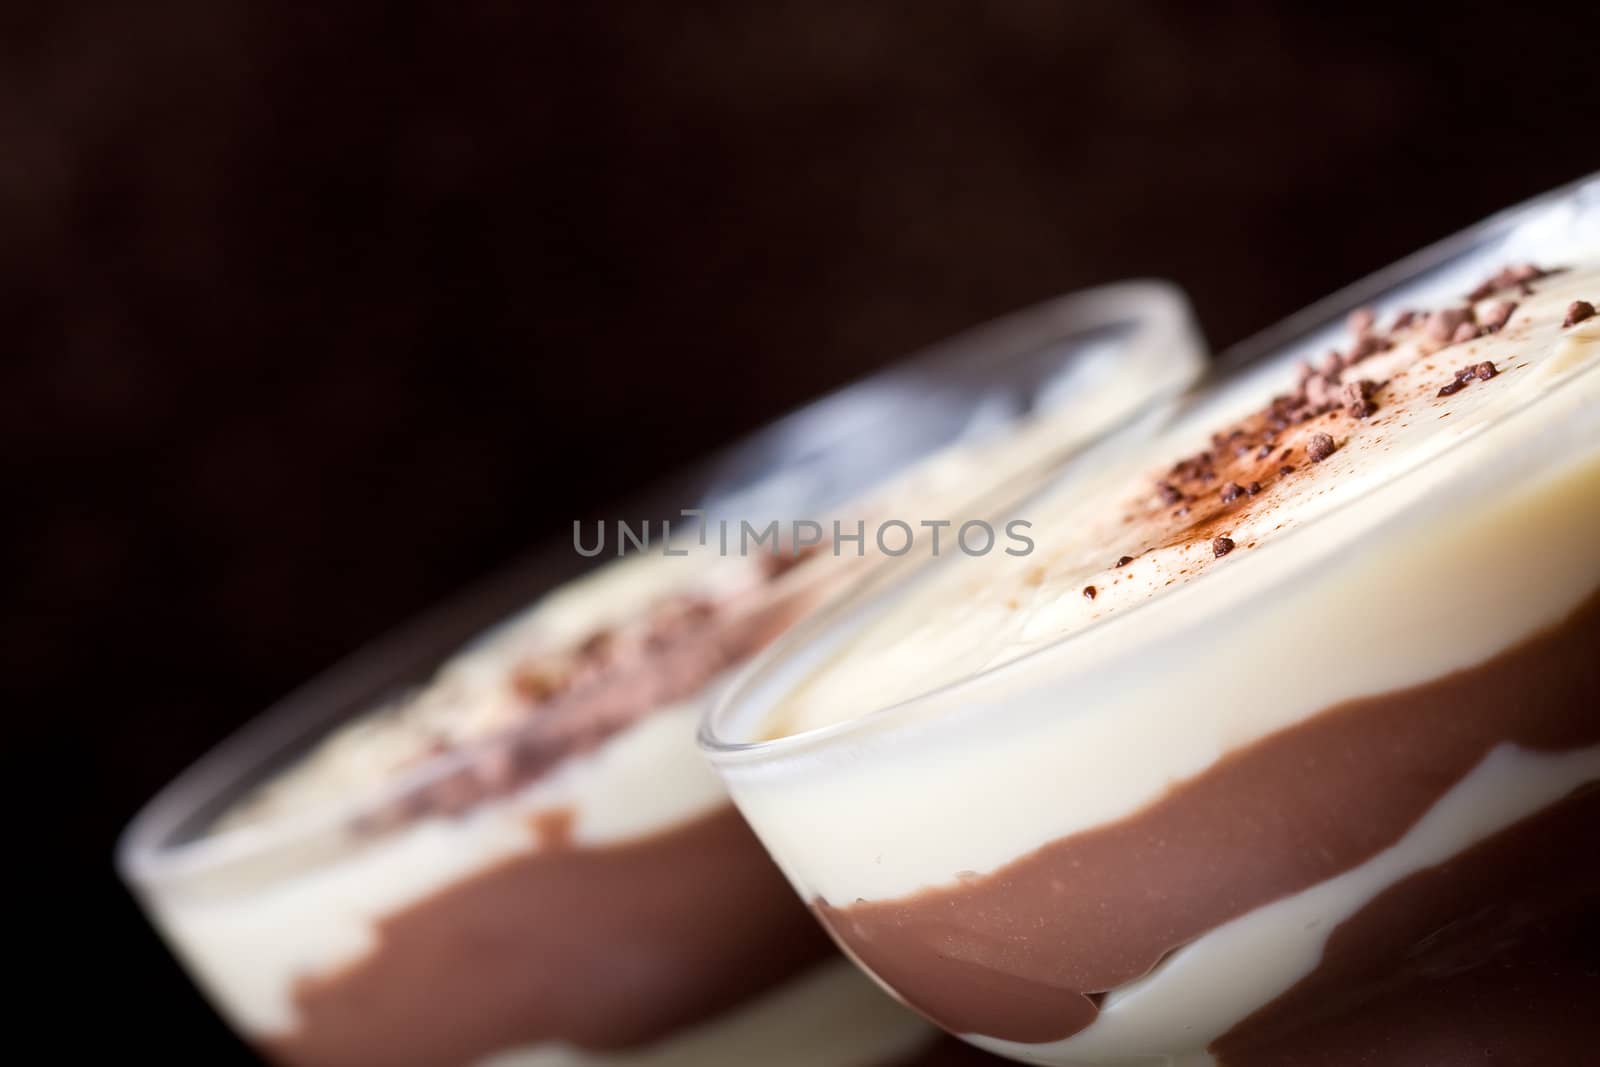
161	843
734	703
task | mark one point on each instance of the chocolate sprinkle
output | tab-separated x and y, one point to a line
1221	546
1367	344
1519	275
1442	324
1577	311
1124	561
1089	592
1358	398
1495	314
1466	375
1328	388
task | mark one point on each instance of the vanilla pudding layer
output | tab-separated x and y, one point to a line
1444	555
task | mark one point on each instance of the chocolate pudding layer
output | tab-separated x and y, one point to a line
550	945
1240	749
1513	977
1026	952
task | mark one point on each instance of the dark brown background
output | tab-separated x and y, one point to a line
309	318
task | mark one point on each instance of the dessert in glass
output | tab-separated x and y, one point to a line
1283	747
510	852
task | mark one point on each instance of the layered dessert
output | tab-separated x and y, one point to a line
1282	748
523	860
543	871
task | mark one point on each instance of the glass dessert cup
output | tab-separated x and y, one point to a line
489	839
1281	753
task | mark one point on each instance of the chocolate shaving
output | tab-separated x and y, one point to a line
1519	276
598	646
1494	315
1322	392
1358	398
1466	375
538	683
1367	345
786	558
1221	546
1577	311
1442	324
1089	592
1240	458
1124	561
